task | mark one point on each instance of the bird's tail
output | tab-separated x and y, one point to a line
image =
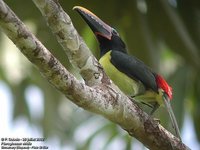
172	116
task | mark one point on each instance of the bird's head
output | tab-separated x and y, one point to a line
107	36
163	87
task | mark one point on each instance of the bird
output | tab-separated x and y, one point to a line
129	73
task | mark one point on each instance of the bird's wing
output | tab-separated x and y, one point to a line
134	68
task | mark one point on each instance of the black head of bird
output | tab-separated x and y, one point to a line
107	36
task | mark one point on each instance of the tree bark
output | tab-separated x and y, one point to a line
97	94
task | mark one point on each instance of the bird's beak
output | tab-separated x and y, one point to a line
95	23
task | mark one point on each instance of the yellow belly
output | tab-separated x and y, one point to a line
126	84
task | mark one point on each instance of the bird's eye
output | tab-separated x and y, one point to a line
115	32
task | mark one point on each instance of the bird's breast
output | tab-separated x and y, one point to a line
126	84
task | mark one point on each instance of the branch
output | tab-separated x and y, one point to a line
75	48
103	98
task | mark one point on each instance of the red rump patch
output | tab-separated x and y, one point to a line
163	85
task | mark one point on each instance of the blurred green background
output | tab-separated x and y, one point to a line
165	34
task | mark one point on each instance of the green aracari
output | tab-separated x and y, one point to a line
129	73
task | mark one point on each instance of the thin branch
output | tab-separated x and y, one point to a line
76	49
104	99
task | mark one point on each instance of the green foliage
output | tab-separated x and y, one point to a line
146	26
